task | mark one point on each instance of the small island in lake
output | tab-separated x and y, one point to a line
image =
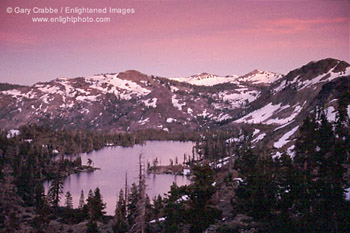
170	169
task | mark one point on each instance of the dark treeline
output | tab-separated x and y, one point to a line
8	86
152	134
305	193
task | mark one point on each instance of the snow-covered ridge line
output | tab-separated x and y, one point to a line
94	86
132	101
125	89
260	76
254	77
207	79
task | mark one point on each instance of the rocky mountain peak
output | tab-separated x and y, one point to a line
317	73
316	68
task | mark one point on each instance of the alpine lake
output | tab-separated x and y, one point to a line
116	163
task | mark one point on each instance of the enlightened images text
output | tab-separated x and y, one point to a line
73	10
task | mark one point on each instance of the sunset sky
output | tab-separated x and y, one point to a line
172	38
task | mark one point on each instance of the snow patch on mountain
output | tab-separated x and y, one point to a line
47	98
18	94
260	115
284	139
256	131
205	79
125	89
284	125
239	98
83	91
331	113
280	87
259	137
174	89
176	103
12	133
143	121
170	120
84	111
222	117
267	115
280	121
69	91
86	98
150	103
347	194
47	88
204	114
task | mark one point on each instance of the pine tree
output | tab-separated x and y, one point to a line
95	205
288	186
133	200
201	212
256	195
157	207
175	209
81	200
306	148
99	205
90	195
126	188
138	202
140	221
95	208
56	189
121	224
69	200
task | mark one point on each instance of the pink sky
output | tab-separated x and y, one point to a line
172	38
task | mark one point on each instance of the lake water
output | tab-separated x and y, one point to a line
115	162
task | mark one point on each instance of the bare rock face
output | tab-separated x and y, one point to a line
271	104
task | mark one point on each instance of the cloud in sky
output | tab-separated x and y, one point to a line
174	38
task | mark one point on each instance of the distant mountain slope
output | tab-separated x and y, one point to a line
271	105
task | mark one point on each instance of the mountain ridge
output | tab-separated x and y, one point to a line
132	101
